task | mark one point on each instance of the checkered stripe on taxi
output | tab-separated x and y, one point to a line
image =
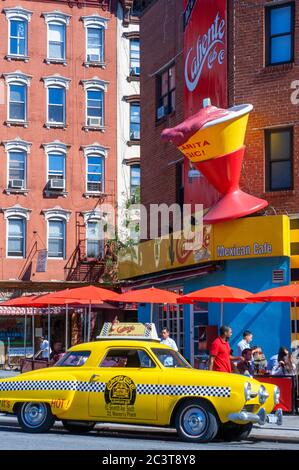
23	385
142	389
145	389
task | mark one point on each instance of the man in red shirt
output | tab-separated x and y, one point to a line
220	353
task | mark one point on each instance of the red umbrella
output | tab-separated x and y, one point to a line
288	293
217	294
150	295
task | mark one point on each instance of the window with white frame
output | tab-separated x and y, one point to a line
56	41
95	239
56	238
95	27
16	230
95	173
18	37
18	19
135	121
134	57
17	102
95	107
56	170
56	105
95	44
134	180
17	169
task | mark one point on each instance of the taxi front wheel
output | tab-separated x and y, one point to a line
196	421
35	417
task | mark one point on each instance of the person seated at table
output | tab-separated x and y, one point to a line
259	362
285	364
57	352
245	367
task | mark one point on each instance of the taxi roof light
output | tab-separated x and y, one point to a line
117	330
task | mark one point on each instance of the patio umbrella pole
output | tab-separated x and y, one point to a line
49	332
89	322
66	326
33	336
25	332
152	313
222	313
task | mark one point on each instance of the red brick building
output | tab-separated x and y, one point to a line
263	41
58	140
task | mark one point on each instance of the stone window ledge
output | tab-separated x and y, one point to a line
22	58
9	123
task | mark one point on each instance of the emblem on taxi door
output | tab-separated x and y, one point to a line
120	390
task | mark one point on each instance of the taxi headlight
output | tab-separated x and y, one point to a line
247	391
263	394
276	395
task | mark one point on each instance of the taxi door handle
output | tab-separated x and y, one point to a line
94	377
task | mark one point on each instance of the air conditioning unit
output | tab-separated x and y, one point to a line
56	184
135	71
161	112
93	58
135	135
18	184
95	121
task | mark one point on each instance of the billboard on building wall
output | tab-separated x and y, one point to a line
205	76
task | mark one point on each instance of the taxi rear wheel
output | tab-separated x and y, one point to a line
35	417
78	428
196	421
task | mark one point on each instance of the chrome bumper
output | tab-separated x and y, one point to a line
260	418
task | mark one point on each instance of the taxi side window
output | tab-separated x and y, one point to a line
136	358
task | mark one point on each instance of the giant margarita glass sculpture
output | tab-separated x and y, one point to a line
213	140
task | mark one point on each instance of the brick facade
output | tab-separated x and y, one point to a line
161	40
249	81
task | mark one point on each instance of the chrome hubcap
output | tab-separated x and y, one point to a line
194	421
34	414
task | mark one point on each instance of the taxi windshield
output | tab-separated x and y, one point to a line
170	358
73	359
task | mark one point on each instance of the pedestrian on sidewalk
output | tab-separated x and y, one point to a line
167	340
245	343
220	353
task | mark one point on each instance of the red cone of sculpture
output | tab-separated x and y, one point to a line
224	174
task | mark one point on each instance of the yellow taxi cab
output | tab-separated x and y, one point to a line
137	380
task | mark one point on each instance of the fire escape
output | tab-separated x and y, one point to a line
84	266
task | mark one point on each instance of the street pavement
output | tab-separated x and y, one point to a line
12	438
261	437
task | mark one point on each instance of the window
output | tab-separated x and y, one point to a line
95	44
135	358
16	170
166	92
134	180
18	37
73	359
134	121
56	105
279	159
95	239
95	107
135	57
16	237
17	102
171	358
18	19
56	41
56	170
280	25
56	238
95	173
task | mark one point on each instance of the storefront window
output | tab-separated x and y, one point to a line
172	317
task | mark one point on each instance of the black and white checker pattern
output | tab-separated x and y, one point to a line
205	391
99	387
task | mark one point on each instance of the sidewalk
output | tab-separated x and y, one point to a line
288	432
